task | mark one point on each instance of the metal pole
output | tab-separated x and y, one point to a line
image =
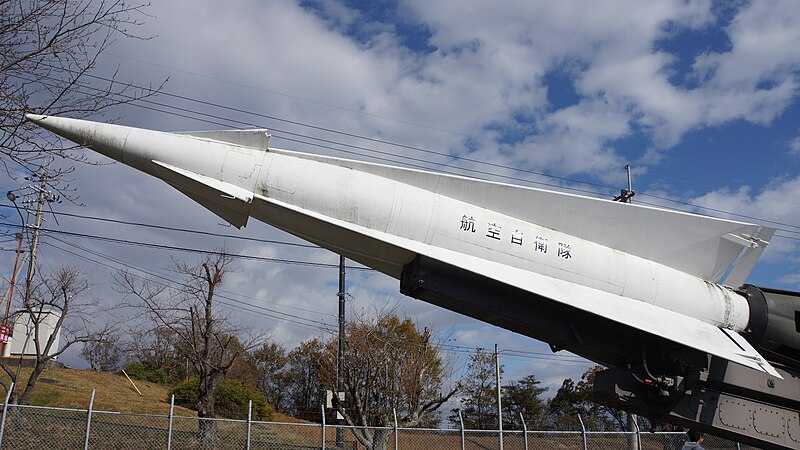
630	184
89	422
340	353
394	413
171	415
638	436
583	433
499	400
322	408
5	411
633	427
461	421
524	430
249	421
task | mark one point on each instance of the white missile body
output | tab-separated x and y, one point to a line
655	270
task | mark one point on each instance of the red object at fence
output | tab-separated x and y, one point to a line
5	332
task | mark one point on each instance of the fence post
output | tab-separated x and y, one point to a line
169	428
322	408
461	421
524	430
396	443
89	421
583	433
249	421
638	436
5	411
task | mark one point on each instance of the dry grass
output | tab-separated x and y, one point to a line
70	388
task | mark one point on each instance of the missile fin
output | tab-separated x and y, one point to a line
229	202
257	138
750	255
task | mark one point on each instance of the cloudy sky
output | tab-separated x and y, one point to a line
700	98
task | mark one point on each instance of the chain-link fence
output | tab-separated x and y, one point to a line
32	427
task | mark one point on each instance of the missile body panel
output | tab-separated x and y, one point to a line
655	271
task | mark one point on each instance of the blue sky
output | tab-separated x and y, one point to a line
700	98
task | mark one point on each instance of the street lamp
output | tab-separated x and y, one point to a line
5	331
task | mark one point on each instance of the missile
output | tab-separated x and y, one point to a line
623	285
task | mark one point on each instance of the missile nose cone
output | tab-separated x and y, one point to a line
35	118
103	138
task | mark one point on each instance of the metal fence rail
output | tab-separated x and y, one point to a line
26	427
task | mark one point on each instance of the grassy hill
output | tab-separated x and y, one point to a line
70	388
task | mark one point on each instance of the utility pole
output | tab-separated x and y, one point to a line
5	330
499	396
340	354
35	241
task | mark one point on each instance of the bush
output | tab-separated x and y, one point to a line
230	399
186	393
138	371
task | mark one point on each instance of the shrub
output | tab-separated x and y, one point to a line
186	393
230	399
138	371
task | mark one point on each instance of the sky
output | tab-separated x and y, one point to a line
698	97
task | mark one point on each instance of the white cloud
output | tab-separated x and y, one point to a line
791	279
794	146
777	202
486	71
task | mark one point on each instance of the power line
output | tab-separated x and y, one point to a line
375	140
196	250
319	128
182	230
399	145
261	310
126	264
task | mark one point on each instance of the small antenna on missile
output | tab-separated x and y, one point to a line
625	195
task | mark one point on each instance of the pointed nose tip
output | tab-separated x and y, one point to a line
36	118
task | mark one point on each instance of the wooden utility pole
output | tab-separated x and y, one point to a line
499	395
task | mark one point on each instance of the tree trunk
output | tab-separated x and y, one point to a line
28	392
207	427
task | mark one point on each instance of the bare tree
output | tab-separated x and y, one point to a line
305	387
478	393
205	333
49	50
154	354
272	376
390	365
56	307
104	354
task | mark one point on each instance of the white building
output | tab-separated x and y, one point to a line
21	342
